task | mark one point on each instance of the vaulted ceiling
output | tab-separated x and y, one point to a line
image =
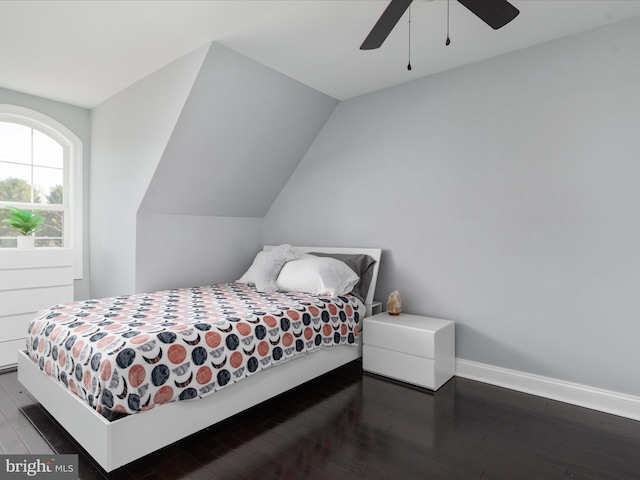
83	52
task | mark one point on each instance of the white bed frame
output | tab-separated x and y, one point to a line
117	443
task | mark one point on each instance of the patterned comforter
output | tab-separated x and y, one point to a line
130	353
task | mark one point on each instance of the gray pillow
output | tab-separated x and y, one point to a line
361	264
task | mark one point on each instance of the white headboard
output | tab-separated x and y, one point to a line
374	253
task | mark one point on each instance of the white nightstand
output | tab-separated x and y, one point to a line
411	348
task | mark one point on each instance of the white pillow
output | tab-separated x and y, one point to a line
250	275
317	276
265	268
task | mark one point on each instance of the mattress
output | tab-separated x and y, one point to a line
127	354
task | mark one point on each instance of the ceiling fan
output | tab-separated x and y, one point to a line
495	13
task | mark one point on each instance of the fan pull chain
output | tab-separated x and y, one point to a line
409	64
448	42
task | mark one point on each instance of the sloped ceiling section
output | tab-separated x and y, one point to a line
241	134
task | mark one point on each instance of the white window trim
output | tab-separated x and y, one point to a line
73	174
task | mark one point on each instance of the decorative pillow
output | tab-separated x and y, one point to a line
265	268
361	264
250	275
317	276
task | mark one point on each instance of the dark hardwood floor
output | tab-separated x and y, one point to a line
350	425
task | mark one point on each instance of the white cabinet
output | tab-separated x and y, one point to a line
30	280
411	348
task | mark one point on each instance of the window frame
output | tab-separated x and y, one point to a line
72	174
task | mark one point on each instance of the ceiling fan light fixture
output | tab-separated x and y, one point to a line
495	13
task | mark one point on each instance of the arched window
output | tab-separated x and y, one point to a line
41	168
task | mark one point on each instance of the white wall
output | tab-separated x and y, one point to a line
505	196
198	250
78	120
130	132
186	163
243	130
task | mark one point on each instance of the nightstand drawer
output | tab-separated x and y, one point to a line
401	366
405	333
411	348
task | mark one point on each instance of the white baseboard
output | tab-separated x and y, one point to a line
584	396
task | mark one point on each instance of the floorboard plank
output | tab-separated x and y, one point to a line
351	425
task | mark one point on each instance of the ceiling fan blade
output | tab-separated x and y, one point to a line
385	24
495	13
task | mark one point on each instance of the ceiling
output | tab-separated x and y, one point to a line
83	51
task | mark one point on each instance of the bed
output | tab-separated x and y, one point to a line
126	430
